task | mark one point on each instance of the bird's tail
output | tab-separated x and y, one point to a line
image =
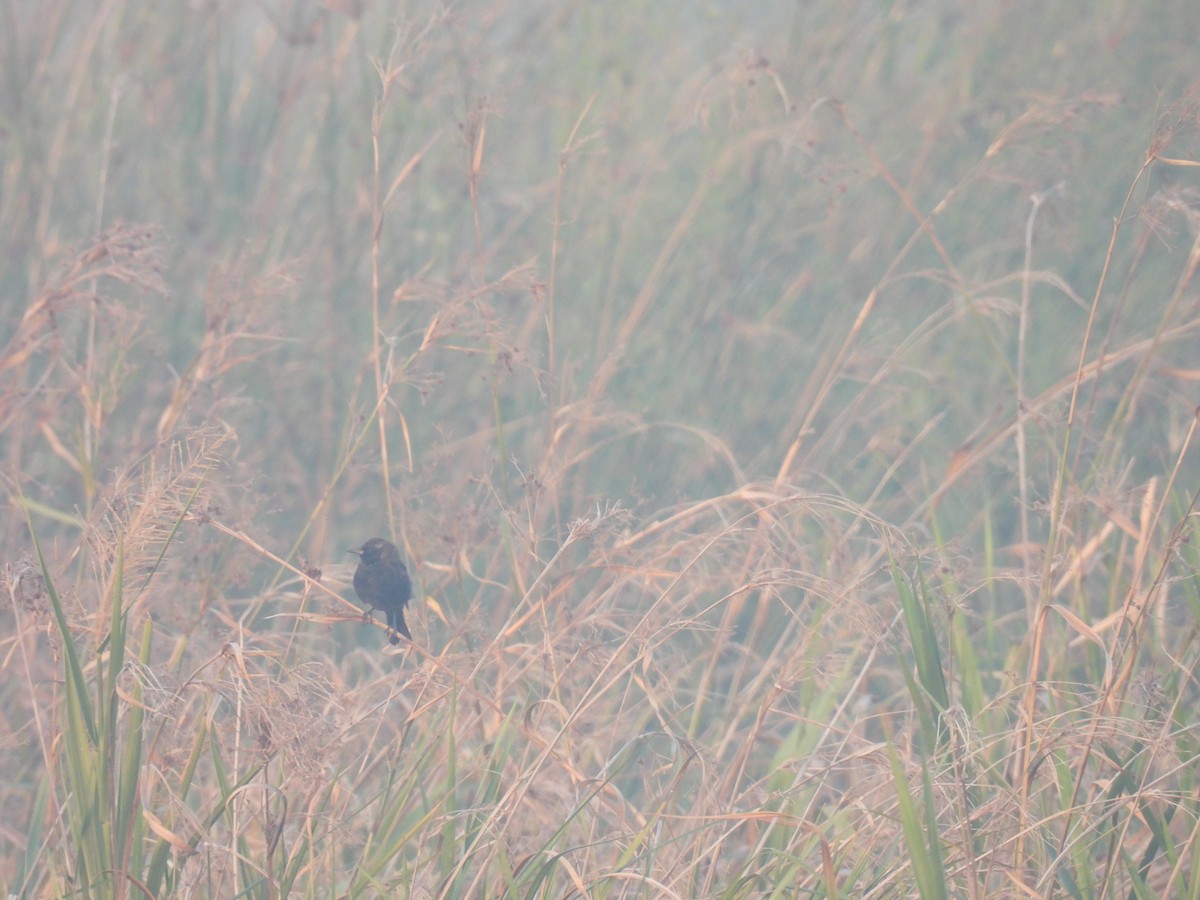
396	623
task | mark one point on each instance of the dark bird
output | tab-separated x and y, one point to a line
382	582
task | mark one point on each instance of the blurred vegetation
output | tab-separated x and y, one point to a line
786	411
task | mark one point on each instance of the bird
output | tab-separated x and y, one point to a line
381	581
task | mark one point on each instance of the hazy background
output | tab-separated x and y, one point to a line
699	206
596	306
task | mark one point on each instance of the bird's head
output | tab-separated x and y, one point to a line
376	549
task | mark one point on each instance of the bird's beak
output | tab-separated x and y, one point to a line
355	552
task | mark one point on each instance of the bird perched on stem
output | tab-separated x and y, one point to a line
381	581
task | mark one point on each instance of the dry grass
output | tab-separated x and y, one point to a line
796	507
